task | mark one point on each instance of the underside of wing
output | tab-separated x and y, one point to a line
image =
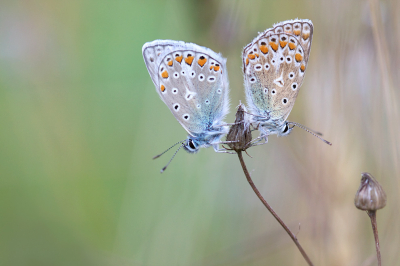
192	82
274	66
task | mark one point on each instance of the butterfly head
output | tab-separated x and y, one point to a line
285	129
191	145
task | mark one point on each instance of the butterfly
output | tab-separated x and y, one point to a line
274	66
192	81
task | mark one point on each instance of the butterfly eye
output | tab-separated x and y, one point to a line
294	86
285	129
191	144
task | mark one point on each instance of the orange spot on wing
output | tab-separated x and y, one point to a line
201	62
179	59
189	60
283	44
298	57
165	74
216	68
292	46
170	63
162	88
302	68
297	32
274	46
263	49
251	56
247	61
306	35
257	55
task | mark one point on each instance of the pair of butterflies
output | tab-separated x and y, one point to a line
193	82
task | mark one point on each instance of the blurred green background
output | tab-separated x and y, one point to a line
80	121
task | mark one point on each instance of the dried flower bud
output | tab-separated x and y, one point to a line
370	195
240	133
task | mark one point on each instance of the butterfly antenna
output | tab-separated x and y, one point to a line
165	167
316	134
155	157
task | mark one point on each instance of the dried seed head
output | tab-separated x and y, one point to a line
370	195
240	133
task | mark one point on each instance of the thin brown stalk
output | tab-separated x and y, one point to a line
294	238
372	216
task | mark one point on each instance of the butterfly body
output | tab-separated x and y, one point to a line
274	65
192	81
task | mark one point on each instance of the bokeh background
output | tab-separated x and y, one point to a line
80	121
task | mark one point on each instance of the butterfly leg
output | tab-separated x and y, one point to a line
227	142
255	142
263	135
216	149
229	124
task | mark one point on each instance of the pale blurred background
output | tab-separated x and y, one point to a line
81	120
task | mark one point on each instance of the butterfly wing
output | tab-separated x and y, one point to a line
191	80
274	65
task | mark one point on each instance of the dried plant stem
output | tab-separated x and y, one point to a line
372	216
294	238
